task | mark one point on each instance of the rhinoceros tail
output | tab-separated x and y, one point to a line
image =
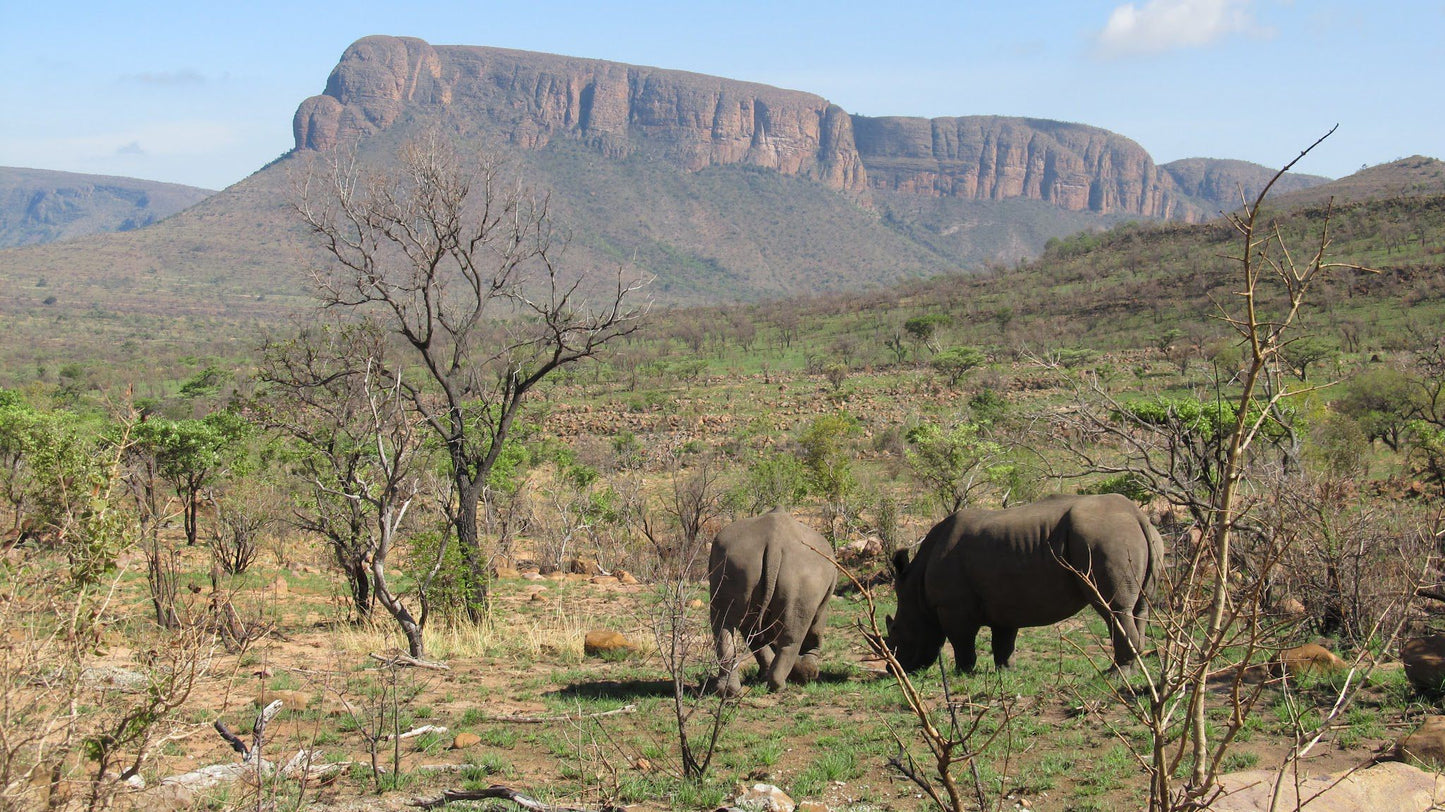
1156	556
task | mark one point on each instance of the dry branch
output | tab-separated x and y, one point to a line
503	793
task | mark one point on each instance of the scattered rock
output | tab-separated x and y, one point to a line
695	603
279	586
1424	659
584	566
465	740
642	765
1389	785
167	798
812	806
601	641
764	798
1425	746
1311	658
293	700
1291	607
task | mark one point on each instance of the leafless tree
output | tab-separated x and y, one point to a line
461	265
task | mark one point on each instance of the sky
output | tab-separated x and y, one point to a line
202	93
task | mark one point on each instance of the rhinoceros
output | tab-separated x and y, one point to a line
1032	565
770	582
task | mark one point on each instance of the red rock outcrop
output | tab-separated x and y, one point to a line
531	98
1073	166
698	121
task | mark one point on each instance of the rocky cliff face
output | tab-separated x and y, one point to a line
531	98
1075	167
698	121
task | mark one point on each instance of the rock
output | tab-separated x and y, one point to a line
464	740
697	121
1424	659
293	700
170	797
764	798
602	641
584	566
540	596
812	806
1290	607
1425	745
1311	658
505	572
696	603
279	586
1389	785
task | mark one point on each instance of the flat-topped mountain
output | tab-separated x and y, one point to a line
698	121
722	190
41	205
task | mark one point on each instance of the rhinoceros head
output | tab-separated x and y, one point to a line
915	635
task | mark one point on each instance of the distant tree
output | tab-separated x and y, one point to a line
1304	352
1378	399
956	362
956	463
191	455
461	266
924	329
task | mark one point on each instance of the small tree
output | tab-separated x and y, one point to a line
956	362
461	266
924	329
955	464
191	455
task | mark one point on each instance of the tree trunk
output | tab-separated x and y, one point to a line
470	541
359	579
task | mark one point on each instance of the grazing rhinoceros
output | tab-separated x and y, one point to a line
770	581
1025	566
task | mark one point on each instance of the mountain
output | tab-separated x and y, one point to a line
40	205
723	190
1223	185
695	121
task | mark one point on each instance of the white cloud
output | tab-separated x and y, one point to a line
1166	25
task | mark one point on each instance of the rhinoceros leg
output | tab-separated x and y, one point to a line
965	653
1004	640
728	682
783	664
1123	633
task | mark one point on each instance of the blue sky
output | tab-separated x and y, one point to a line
202	93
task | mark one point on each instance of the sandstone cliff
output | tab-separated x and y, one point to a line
1075	167
530	98
695	121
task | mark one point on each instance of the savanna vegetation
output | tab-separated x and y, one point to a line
403	530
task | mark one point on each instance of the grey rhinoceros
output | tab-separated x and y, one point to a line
770	581
1032	565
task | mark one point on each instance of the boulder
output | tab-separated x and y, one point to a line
1425	745
1310	658
464	740
1389	785
293	700
601	641
1424	659
763	798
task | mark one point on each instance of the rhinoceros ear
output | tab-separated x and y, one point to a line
900	564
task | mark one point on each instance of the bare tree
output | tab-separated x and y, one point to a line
462	266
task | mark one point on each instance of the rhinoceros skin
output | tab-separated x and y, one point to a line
1032	565
770	581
